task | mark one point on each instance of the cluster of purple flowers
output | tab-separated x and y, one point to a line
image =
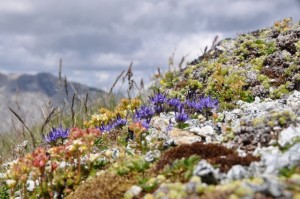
56	134
181	116
202	104
144	112
192	104
119	122
158	100
144	115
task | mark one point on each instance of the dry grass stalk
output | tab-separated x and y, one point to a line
47	120
205	50
27	128
116	81
72	110
66	86
214	43
59	72
85	102
142	84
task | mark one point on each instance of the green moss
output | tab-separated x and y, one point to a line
188	71
291	69
279	92
4	191
257	63
298	45
223	58
169	79
227	86
194	84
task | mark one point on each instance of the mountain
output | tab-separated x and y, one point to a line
31	95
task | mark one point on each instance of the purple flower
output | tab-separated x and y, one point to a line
181	116
158	98
158	108
105	128
192	104
119	122
145	124
201	104
209	103
144	112
191	95
56	133
174	102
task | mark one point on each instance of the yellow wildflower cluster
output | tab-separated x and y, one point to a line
105	116
128	106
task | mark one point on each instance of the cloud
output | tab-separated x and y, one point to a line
99	38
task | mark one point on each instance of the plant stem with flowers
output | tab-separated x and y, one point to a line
181	117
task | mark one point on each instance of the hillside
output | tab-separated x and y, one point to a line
226	126
28	94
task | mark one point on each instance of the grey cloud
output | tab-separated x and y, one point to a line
105	36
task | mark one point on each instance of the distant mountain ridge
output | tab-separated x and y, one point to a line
28	94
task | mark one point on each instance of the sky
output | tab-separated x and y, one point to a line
97	39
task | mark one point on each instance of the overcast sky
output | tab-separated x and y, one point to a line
97	39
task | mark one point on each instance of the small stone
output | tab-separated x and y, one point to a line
220	48
152	155
257	100
238	112
30	185
206	172
160	124
183	137
133	192
288	136
237	172
115	153
270	186
204	131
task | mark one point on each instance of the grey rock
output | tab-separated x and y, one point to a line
271	187
160	123
152	155
133	192
207	173
272	159
194	123
288	136
251	76
236	126
257	100
183	137
220	48
293	155
237	172
115	153
204	131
